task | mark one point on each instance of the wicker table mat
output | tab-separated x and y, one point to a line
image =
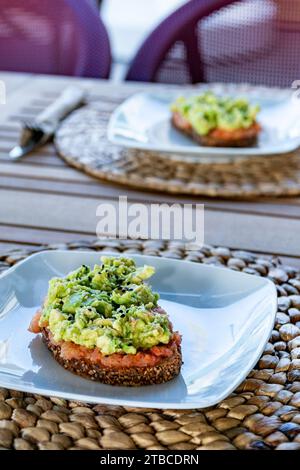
263	413
81	141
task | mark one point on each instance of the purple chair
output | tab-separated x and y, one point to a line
63	37
254	41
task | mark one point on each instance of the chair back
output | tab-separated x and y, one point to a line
254	41
63	37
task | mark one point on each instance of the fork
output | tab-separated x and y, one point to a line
38	131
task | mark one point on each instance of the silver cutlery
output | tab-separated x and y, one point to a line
38	131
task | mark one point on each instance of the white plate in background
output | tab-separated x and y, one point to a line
143	122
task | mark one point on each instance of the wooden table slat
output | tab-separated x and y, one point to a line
76	213
37	236
95	189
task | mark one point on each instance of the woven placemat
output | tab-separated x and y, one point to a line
82	142
263	413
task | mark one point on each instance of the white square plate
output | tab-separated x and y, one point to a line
225	318
143	122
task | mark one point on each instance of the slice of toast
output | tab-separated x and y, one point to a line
217	137
165	370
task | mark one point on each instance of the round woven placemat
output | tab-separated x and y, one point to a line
81	141
263	413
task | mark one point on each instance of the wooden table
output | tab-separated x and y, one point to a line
45	201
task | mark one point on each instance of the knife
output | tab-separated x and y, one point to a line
41	129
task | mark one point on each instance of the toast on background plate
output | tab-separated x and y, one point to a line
214	121
105	324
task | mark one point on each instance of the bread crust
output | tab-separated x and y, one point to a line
246	137
164	371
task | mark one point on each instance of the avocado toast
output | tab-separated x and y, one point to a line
105	324
216	121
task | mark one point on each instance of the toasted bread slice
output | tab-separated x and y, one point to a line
166	369
218	137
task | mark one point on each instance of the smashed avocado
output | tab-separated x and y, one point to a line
207	112
108	307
